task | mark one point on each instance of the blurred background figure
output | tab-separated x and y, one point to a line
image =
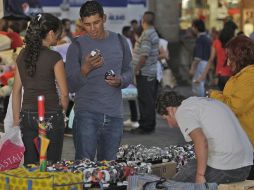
79	29
145	57
21	9
63	38
214	34
67	28
13	32
5	40
126	32
134	27
132	122
3	25
252	35
167	79
201	55
222	71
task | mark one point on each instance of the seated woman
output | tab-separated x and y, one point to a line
238	92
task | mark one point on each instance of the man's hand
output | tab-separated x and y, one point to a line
202	77
193	67
191	72
91	63
209	92
140	64
137	70
200	178
114	81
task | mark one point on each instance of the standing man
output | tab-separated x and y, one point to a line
145	56
201	56
98	121
223	151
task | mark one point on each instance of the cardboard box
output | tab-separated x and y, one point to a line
244	185
166	170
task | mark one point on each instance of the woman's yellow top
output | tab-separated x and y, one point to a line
238	94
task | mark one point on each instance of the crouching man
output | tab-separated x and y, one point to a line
223	151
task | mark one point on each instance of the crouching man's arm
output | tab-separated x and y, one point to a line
201	151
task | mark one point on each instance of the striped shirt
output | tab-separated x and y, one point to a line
147	45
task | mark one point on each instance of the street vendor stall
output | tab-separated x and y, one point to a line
79	174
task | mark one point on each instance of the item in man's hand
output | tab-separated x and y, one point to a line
95	52
109	73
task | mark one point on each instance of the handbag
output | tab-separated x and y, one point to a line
11	149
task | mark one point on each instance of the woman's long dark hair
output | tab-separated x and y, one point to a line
37	31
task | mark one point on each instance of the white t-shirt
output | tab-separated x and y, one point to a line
228	145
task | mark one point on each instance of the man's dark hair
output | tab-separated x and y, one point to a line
168	99
134	21
230	24
149	18
65	20
126	29
90	8
226	34
199	24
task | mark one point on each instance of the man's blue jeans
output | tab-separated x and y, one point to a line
96	132
198	89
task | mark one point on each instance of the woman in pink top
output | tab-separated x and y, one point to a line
217	51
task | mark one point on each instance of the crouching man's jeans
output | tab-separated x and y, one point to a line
188	174
96	132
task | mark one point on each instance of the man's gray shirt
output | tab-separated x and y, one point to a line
93	94
147	45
